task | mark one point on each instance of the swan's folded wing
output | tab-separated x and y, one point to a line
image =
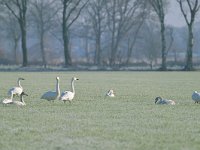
196	96
7	101
15	90
50	95
67	95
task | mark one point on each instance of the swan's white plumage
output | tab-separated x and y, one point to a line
110	93
196	97
16	90
69	95
8	100
161	101
52	95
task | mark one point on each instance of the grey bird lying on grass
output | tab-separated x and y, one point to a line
161	101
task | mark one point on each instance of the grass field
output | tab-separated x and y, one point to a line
130	121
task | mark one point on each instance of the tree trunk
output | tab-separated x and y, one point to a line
189	63
65	31
24	48
164	55
98	51
66	48
42	49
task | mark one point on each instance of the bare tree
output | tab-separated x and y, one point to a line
14	35
193	6
159	8
97	15
70	12
121	18
43	20
19	9
152	45
11	29
170	39
132	37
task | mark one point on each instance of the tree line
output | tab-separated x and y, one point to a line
113	28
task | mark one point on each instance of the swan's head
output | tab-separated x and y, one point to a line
20	79
57	78
111	91
157	99
74	78
23	93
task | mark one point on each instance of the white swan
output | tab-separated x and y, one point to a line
159	100
21	102
52	95
69	95
18	89
196	97
110	93
8	100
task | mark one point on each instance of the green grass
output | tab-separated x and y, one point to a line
131	120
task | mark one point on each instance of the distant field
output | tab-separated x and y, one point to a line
130	121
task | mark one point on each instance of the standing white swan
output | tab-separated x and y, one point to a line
21	102
69	95
8	100
16	90
159	100
52	95
110	93
196	97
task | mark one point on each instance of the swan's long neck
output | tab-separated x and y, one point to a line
11	96
72	86
19	84
22	99
58	88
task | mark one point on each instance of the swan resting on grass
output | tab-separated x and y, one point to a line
16	90
110	93
161	101
18	103
196	97
52	95
69	95
21	102
8	100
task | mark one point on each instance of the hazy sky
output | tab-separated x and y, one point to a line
174	16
